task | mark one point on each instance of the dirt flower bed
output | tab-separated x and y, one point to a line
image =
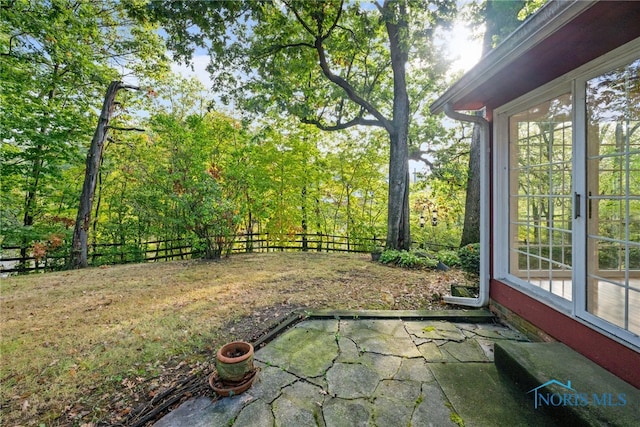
100	346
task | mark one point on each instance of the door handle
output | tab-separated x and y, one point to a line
576	204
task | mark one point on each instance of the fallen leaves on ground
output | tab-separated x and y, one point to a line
98	346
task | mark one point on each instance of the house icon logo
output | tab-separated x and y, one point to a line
555	393
546	398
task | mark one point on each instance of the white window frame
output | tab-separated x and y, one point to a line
574	83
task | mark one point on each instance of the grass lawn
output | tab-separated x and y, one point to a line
87	347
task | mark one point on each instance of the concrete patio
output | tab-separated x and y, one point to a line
346	371
415	368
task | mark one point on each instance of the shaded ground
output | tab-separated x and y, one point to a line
92	347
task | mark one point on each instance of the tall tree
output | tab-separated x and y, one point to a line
500	19
56	57
79	246
334	64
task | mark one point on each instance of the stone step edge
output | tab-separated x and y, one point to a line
470	316
563	364
290	320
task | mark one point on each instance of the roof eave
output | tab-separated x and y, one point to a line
549	19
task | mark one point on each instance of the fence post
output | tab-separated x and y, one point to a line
248	242
93	252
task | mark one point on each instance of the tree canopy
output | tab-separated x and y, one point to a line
56	58
291	70
333	64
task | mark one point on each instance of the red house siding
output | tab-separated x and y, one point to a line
611	355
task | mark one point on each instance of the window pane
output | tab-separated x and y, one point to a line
613	179
541	195
607	299
634	312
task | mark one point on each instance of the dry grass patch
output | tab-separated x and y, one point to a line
74	343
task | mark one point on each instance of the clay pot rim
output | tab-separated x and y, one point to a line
224	359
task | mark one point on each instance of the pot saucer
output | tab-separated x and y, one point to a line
232	388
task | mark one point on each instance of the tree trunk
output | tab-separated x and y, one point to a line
29	207
501	19
398	233
79	247
471	230
305	243
398	236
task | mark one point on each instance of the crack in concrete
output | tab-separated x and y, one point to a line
417	402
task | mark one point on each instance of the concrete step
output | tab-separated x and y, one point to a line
483	397
567	386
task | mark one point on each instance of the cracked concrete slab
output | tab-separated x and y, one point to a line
351	380
347	413
382	337
435	330
431	353
414	369
258	414
303	351
395	402
201	412
433	408
300	404
385	366
466	351
492	331
269	382
369	372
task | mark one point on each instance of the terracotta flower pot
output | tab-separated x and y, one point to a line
234	361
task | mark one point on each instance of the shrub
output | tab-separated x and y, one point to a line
407	259
389	256
470	258
449	258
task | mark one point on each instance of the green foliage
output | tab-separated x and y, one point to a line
407	259
335	65
118	254
449	257
444	190
193	181
56	60
389	256
470	258
196	173
530	7
501	18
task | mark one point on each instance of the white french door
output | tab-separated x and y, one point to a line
572	200
612	194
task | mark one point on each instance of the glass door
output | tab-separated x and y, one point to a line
540	196
613	197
